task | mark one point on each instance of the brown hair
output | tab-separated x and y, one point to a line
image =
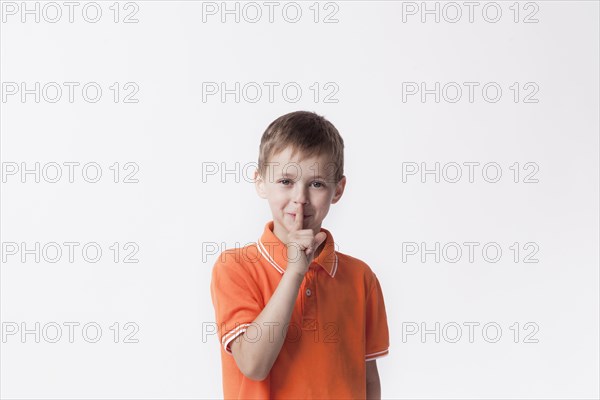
307	133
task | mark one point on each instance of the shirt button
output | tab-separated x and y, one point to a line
308	292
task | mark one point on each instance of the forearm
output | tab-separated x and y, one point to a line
258	356
374	390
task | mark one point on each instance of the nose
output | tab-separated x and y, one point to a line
300	195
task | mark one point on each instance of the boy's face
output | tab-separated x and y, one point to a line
290	181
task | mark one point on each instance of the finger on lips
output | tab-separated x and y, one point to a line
299	217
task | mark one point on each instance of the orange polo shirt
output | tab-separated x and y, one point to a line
338	322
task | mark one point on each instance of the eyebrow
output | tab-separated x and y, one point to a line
294	175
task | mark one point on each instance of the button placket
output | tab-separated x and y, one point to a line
309	317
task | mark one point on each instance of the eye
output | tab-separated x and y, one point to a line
284	180
321	184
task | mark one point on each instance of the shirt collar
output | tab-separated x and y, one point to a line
274	251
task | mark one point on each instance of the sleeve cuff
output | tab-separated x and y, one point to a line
232	334
377	354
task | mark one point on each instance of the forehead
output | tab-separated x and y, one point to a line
284	163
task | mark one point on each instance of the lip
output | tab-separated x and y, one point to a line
294	215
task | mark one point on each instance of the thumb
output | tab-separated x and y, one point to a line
317	241
320	238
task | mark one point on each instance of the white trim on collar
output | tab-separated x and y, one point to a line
271	261
268	257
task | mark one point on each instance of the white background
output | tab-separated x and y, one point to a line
175	214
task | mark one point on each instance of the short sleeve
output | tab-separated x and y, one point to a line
376	330
236	300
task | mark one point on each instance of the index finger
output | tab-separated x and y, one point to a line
299	220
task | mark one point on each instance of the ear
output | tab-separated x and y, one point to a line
339	190
259	185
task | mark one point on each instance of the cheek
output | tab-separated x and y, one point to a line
277	199
322	200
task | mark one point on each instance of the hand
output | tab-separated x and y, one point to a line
302	244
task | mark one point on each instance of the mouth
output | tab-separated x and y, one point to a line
294	216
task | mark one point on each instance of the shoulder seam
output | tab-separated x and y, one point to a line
373	284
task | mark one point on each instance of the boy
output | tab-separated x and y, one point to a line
296	318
